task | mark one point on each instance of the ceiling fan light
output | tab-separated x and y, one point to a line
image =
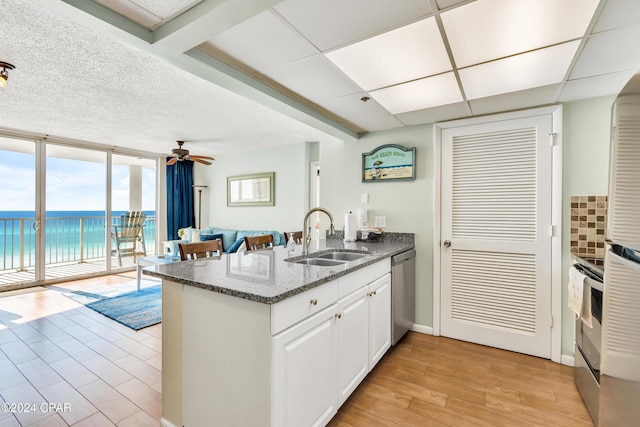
4	74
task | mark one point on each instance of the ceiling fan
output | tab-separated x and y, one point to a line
179	154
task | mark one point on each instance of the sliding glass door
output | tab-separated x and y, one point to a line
60	205
133	189
17	212
74	218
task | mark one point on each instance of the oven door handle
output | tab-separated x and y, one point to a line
591	279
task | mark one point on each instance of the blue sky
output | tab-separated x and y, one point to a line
71	184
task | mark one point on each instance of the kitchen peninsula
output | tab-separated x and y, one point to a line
258	339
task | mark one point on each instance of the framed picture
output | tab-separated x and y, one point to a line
251	190
389	162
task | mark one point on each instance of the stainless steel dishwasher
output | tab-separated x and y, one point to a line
403	293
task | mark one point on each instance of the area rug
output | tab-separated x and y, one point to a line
124	304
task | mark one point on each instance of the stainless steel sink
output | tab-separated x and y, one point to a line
319	261
329	259
342	256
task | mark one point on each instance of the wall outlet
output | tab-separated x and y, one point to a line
381	221
364	198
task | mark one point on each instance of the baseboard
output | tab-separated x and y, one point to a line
567	360
427	330
165	423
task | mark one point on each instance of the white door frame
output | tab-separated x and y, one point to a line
556	214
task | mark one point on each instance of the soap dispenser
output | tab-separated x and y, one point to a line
291	244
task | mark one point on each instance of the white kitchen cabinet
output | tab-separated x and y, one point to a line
364	333
304	372
379	318
293	363
353	341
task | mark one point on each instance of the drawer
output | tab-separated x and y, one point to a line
363	277
292	310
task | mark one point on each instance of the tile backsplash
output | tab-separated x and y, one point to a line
588	225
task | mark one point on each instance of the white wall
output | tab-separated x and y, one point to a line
408	205
585	173
290	164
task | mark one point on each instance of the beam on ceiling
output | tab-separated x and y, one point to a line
210	68
206	20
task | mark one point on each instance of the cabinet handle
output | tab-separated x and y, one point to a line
372	293
314	302
338	315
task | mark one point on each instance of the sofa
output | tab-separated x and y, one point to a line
232	240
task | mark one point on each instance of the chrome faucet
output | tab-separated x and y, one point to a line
306	233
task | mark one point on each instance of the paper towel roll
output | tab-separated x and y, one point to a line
350	227
363	218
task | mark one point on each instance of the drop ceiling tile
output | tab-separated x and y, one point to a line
489	29
591	87
404	54
149	13
416	95
515	100
332	23
262	43
166	9
609	52
368	115
618	13
458	110
314	78
520	72
132	12
443	4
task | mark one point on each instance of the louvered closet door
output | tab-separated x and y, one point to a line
496	214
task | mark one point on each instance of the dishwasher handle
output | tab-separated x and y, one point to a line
403	256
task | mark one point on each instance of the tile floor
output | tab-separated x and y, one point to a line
62	364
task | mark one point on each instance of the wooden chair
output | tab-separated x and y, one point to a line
258	242
128	234
297	237
198	250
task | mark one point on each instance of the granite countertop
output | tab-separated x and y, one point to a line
264	276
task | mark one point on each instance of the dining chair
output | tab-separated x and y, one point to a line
253	243
197	250
128	234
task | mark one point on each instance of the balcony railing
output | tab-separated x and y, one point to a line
73	239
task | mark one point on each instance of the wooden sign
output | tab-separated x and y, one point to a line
389	163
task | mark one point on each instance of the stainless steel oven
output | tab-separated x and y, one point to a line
588	341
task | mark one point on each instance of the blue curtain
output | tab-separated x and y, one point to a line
180	211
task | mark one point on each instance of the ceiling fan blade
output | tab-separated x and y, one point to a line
202	157
172	161
204	162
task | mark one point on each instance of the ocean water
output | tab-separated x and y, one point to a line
69	236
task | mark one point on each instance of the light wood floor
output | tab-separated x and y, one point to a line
55	350
437	381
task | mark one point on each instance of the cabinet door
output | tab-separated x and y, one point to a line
304	372
379	318
353	342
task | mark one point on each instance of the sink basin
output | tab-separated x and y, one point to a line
319	261
341	256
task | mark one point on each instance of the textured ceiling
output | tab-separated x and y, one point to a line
238	75
75	83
